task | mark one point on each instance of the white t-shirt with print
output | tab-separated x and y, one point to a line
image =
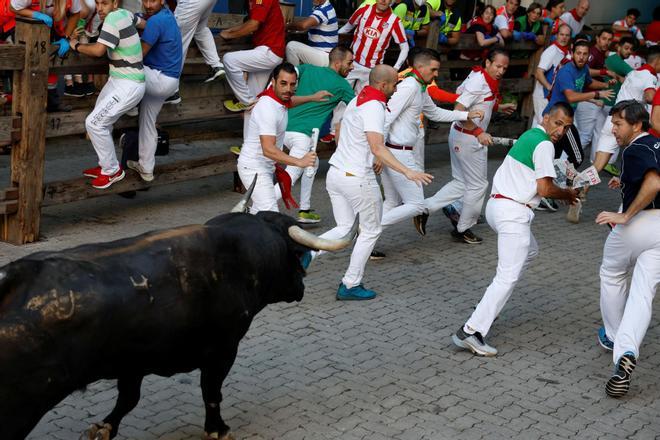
48	10
268	118
550	59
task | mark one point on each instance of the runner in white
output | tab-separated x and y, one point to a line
351	181
519	183
639	85
575	17
402	130
264	137
551	61
322	35
632	251
375	25
468	145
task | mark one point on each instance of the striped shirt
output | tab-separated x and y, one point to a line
373	34
119	34
324	36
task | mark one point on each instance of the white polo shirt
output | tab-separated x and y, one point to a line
475	94
550	60
353	154
268	118
50	6
575	25
402	122
635	84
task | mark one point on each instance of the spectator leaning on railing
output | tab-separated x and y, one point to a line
575	17
627	26
553	10
528	27
484	32
450	20
653	29
415	17
321	27
505	20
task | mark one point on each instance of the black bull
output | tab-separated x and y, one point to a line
161	303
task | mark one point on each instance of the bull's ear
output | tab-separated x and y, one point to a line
241	206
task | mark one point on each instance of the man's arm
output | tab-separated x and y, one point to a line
540	77
403	54
320	96
270	150
92	49
382	153
304	24
649	94
439	114
572	96
647	193
545	187
242	30
453	38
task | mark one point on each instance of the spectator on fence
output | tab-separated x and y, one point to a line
375	26
505	20
266	24
553	10
627	26
450	20
61	16
123	91
575	17
7	22
163	60
87	31
552	58
529	26
653	29
322	36
485	34
414	14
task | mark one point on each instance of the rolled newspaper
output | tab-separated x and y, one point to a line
505	142
309	171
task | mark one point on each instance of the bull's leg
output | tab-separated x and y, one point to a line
211	382
127	399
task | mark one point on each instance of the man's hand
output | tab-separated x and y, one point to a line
612	81
614	183
418	176
225	35
615	218
606	94
507	109
308	160
476	114
485	139
573	196
321	96
378	166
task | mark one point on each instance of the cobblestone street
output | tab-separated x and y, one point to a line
386	368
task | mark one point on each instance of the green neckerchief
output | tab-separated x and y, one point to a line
415	75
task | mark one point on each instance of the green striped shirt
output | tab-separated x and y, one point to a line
119	34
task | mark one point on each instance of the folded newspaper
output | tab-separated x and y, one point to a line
566	171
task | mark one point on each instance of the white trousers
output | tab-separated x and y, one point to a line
299	144
398	188
299	53
358	77
349	196
540	103
469	170
606	141
116	98
626	308
192	16
516	247
418	152
258	63
263	196
589	120
158	87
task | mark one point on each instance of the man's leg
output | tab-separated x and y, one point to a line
540	103
188	14
453	190
299	53
585	120
299	144
411	193
204	37
259	61
474	163
263	196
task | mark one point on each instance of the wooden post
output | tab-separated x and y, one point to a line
27	155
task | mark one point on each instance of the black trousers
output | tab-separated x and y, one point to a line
571	145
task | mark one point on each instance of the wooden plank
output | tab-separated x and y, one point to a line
10	129
12	56
28	155
10	193
225	21
9	207
66	191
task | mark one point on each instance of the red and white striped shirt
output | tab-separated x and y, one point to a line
373	34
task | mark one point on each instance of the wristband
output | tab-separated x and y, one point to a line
477	131
596	95
603	72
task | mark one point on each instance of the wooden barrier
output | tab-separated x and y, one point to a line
29	125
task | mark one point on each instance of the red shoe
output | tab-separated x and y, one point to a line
92	172
328	138
103	181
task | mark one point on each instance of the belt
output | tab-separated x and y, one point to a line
500	196
464	130
399	147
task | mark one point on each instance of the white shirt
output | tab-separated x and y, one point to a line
475	94
48	10
550	60
635	84
518	182
502	21
353	154
402	122
576	26
623	23
634	61
268	118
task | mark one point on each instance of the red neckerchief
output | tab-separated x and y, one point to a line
480	21
575	16
284	182
564	49
649	68
493	84
368	93
271	93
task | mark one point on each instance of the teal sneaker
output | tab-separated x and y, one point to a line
308	216
357	293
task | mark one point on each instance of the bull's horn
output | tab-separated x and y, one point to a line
242	205
299	235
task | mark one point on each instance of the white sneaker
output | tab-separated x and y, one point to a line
473	342
135	166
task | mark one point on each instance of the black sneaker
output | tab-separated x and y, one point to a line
474	342
619	383
216	72
452	214
174	99
420	223
376	255
89	89
467	236
75	90
547	204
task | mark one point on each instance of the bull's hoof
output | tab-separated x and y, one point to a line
97	431
216	436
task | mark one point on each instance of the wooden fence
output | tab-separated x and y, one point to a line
29	125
